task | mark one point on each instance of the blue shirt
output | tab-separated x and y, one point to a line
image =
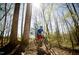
39	31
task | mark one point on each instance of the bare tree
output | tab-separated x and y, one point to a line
70	36
4	26
46	24
6	13
75	24
57	31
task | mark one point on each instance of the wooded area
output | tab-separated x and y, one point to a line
19	23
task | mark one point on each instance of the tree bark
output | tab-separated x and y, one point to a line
27	25
13	35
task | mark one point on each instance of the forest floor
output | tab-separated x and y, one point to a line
54	50
32	50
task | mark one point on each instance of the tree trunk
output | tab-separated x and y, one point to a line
75	24
27	25
46	24
22	22
77	27
13	36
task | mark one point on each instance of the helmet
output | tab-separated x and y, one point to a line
41	26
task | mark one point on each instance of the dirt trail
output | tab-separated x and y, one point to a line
54	51
31	50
